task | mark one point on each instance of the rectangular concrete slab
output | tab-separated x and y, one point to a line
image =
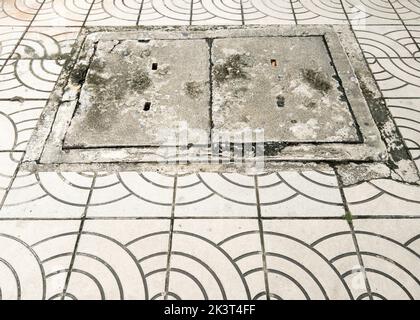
317	102
286	86
135	91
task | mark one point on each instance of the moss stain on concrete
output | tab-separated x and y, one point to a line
140	81
193	89
382	116
232	68
316	80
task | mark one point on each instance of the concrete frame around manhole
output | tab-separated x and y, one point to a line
380	152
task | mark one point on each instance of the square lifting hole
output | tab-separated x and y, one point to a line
154	66
147	106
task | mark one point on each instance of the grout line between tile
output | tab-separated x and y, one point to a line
140	10
394	58
242	13
12	180
261	232
191	11
293	11
353	234
171	231
405	26
79	235
22	36
87	14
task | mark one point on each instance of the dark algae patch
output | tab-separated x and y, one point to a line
78	74
273	148
231	69
193	89
349	218
377	105
382	116
140	81
316	80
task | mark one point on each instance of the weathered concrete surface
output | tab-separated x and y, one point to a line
135	91
286	86
380	153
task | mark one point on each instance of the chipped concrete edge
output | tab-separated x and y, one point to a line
399	166
43	129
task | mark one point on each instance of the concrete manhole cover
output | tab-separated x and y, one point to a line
287	86
133	90
294	96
